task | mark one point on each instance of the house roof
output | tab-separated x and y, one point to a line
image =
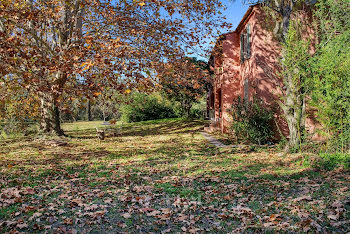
245	17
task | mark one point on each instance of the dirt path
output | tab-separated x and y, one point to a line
213	140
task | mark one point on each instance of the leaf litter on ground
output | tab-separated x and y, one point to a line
180	184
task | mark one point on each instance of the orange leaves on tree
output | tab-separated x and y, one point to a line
96	41
96	94
86	65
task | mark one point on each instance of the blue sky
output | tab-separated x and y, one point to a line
235	12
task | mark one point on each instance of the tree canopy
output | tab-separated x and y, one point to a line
57	46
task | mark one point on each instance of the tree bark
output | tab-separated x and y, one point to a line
50	112
294	112
294	103
89	111
286	14
294	106
50	115
186	105
57	123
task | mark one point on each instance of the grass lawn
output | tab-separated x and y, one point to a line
163	176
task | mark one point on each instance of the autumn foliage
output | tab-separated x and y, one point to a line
56	47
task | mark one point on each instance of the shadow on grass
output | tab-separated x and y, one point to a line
146	128
170	157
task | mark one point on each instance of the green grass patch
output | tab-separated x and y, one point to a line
179	191
326	161
6	212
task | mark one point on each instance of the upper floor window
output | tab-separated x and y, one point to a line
246	44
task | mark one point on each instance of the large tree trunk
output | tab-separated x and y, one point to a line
50	112
286	14
50	115
294	112
294	101
294	106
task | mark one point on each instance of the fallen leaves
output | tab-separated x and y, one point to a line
182	217
153	213
333	217
22	225
302	198
147	193
75	203
126	215
35	216
10	196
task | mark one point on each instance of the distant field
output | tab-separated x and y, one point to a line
163	176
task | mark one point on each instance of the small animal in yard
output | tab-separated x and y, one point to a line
100	134
113	121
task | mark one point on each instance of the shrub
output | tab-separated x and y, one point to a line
251	121
196	113
198	110
146	107
328	161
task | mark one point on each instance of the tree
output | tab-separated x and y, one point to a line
185	82
46	47
296	71
283	8
331	76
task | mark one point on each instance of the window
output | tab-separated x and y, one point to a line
245	44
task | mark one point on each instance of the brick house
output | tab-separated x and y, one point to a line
245	63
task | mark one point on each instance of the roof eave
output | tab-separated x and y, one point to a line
244	19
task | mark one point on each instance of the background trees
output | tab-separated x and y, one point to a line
185	82
18	109
331	73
